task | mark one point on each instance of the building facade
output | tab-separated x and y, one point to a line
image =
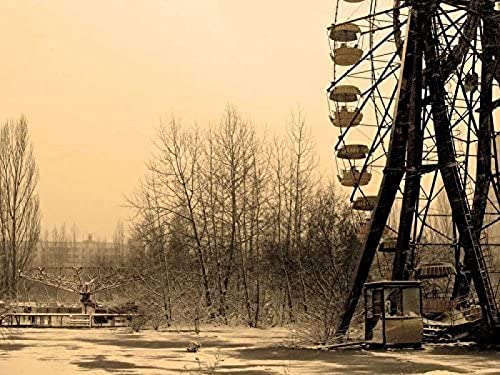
87	253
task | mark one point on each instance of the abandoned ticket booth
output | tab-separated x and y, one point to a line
393	313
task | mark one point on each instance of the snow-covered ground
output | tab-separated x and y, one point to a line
228	350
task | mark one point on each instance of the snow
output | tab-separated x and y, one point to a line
229	350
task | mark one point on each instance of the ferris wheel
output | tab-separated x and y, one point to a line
415	104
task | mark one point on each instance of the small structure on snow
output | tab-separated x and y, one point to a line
393	313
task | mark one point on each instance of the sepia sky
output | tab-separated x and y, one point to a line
95	77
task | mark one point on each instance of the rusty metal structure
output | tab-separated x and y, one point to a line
415	100
85	281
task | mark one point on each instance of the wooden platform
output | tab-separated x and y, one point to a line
65	320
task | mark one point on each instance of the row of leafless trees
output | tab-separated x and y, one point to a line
19	204
231	225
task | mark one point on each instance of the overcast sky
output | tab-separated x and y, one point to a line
95	77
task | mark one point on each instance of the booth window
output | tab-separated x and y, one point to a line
393	302
402	302
377	302
411	302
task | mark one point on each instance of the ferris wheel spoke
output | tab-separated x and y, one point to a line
361	107
387	11
430	196
378	139
434	230
467	33
424	214
385	75
369	94
445	28
363	58
460	49
490	224
468	112
362	72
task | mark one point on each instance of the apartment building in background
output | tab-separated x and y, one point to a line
86	253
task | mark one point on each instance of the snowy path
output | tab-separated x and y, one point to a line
240	350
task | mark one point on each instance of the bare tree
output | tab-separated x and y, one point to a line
236	145
174	185
303	183
119	242
240	176
73	239
293	186
60	246
235	222
330	233
19	203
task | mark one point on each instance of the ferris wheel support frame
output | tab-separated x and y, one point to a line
484	146
409	209
450	174
404	157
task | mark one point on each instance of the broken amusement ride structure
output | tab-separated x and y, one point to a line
84	281
415	102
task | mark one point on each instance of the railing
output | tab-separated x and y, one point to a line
486	289
58	320
460	309
471	312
